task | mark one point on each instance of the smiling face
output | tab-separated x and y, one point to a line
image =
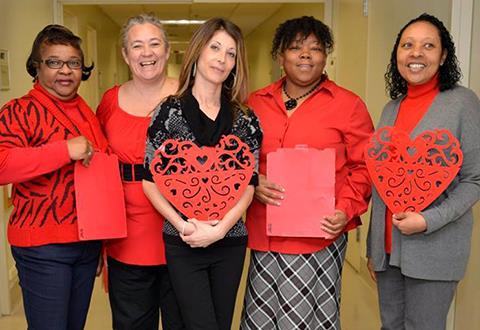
64	82
146	53
304	61
216	59
420	53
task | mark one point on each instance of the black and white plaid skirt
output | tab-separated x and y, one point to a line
294	291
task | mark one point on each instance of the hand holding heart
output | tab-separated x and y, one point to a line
204	233
409	223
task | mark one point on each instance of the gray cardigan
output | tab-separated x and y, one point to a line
441	252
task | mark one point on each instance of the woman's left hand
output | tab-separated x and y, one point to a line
206	233
409	223
334	224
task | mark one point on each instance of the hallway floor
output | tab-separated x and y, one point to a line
359	307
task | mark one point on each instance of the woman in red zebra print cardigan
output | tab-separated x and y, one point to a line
42	134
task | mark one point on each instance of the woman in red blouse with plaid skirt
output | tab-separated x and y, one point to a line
294	283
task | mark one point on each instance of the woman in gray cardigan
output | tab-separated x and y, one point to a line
417	258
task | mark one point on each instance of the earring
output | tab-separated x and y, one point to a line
194	70
233	80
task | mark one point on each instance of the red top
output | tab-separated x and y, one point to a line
127	134
412	109
34	157
331	117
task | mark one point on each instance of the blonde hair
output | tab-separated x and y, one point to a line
236	84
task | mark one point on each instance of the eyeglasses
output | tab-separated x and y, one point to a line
58	64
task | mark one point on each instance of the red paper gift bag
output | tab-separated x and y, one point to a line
99	199
308	176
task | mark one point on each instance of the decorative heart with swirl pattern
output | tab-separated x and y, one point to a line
203	182
410	174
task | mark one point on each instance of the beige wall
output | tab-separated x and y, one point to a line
468	295
259	42
385	18
475	53
110	68
351	48
18	28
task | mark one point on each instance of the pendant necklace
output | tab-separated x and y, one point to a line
292	103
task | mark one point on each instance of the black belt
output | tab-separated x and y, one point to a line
131	172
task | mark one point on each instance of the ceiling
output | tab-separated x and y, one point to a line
246	15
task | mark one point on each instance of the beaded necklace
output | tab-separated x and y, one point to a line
292	103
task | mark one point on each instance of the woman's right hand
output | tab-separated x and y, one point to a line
268	192
79	148
371	270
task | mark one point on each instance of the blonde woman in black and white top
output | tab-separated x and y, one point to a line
205	258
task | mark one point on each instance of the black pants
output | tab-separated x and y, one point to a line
205	281
137	293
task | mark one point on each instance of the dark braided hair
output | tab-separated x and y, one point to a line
55	34
449	72
288	31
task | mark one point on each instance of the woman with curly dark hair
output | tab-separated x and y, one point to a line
294	282
418	255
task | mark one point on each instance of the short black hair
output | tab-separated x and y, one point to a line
55	34
304	26
449	73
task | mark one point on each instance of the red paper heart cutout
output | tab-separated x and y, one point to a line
410	174
203	182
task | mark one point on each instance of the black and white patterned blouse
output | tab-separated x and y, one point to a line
181	119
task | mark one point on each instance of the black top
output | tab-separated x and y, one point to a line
207	132
182	119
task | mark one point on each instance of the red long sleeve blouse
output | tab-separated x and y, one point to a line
331	117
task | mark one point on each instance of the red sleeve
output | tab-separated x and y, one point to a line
18	160
105	107
356	190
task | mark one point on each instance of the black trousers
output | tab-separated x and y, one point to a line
205	281
137	293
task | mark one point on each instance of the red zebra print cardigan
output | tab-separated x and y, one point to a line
34	157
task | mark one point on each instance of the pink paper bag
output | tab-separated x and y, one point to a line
99	199
308	176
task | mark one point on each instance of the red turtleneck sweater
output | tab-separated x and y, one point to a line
412	109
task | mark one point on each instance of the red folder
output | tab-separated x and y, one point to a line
308	176
99	199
